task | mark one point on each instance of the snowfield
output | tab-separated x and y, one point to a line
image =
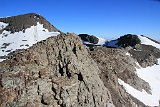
9	42
152	76
3	25
146	41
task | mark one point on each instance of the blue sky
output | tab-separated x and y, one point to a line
105	18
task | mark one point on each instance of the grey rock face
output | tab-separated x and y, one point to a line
57	72
124	41
128	40
114	64
146	55
89	38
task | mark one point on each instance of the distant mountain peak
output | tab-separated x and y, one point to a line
132	40
37	69
22	31
21	22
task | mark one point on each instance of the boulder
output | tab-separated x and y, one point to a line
89	38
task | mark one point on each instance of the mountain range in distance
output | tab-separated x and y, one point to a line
41	66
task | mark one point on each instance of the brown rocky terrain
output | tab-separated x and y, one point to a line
146	55
21	22
114	64
61	72
57	72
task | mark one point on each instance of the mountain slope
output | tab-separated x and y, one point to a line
42	67
148	41
21	32
114	64
22	22
132	40
57	72
130	70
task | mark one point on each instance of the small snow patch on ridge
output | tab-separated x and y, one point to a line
3	25
101	41
128	54
146	41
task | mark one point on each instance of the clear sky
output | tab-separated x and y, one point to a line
105	18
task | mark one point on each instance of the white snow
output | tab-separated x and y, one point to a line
101	41
110	105
6	17
3	25
1	60
128	54
35	17
11	41
146	41
152	76
85	42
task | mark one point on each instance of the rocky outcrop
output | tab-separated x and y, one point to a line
57	72
89	38
61	72
114	64
128	40
146	55
21	22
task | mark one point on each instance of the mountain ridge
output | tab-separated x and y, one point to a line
54	76
22	31
21	22
59	70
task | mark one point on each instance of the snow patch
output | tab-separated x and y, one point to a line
101	41
128	54
85	42
1	60
110	105
142	96
35	17
146	41
138	65
152	76
9	42
3	25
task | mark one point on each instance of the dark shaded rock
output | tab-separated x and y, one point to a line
128	40
89	38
